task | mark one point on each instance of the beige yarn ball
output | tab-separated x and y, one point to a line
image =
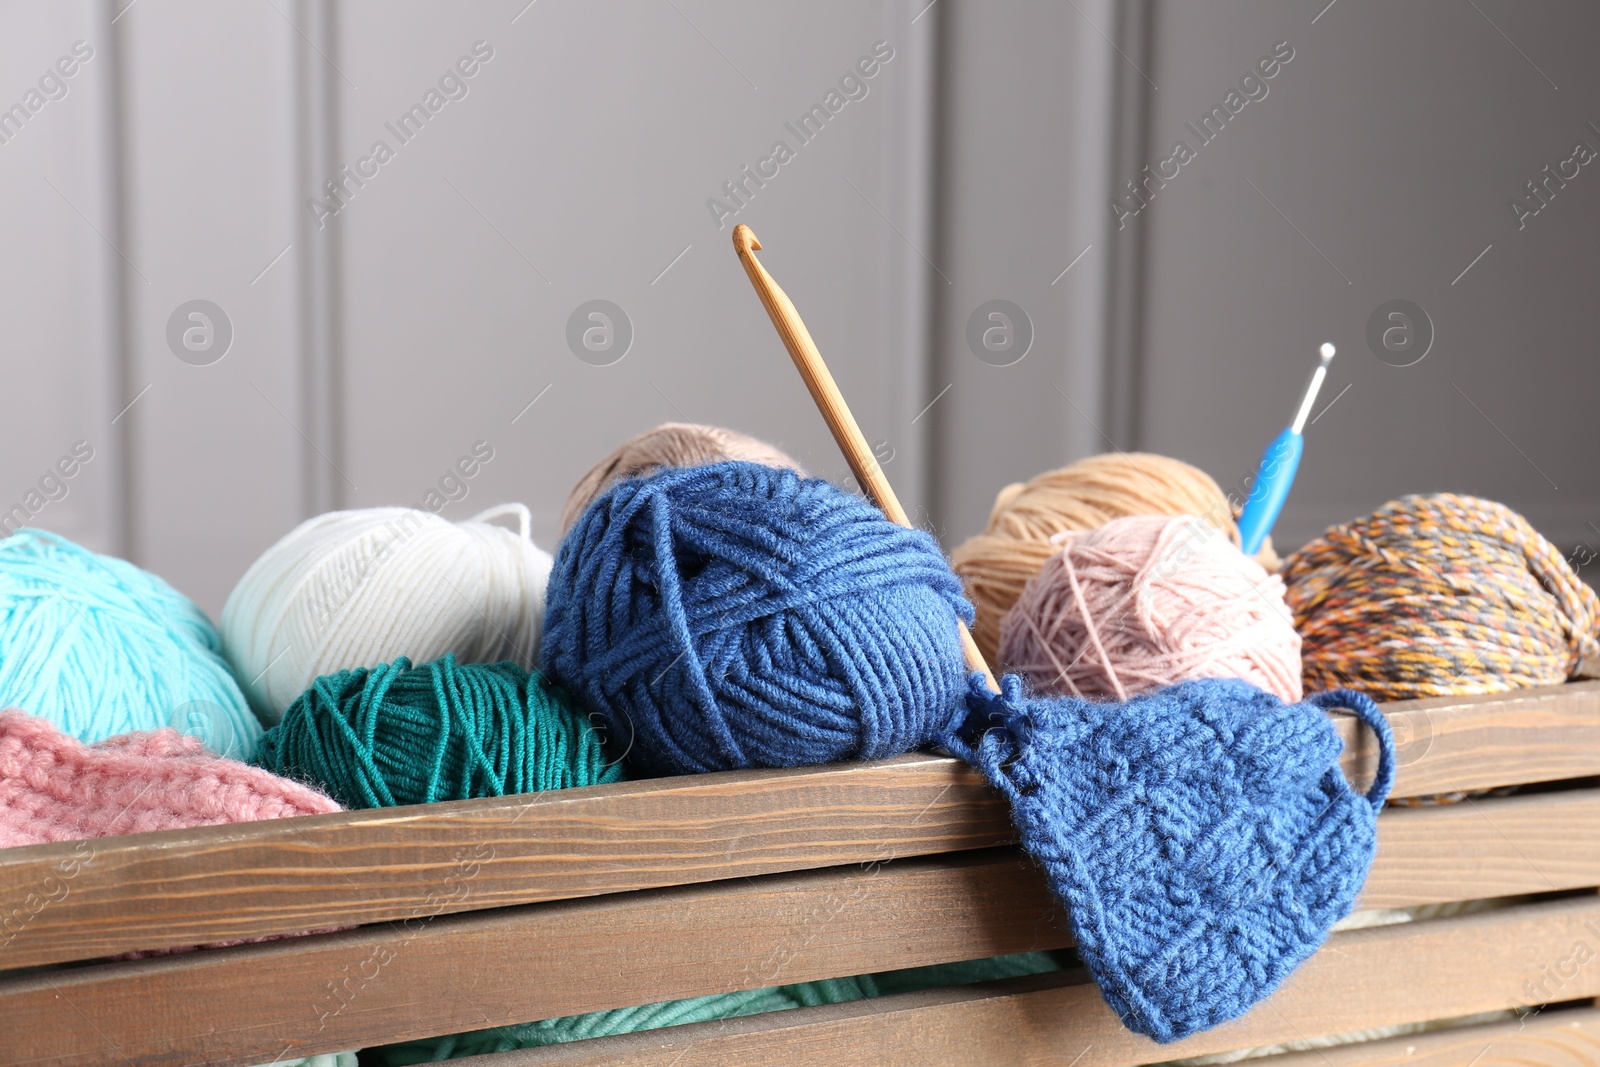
998	563
672	444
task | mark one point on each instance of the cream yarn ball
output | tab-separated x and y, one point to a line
357	588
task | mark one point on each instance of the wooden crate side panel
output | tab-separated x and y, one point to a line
185	887
1444	744
1567	1038
460	972
144	891
1564	1038
1362	979
484	969
1486	847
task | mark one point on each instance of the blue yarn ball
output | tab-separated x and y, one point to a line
736	615
100	647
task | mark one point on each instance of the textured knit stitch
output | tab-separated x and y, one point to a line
1203	837
1440	595
736	615
55	788
398	734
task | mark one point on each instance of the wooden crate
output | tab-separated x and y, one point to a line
481	913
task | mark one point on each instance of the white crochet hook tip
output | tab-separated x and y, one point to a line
1320	375
835	412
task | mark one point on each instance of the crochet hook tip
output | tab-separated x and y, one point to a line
1299	424
744	240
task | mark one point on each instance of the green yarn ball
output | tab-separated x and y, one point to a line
397	734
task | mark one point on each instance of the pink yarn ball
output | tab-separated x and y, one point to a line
1145	602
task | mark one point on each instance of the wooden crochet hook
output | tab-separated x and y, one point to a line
835	412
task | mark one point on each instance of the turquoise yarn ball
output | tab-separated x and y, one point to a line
99	647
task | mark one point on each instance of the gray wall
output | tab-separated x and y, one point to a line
59	277
1028	101
1391	143
374	346
579	167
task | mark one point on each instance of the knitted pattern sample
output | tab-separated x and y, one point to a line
1203	837
55	788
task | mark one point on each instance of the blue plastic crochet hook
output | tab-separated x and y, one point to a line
1278	466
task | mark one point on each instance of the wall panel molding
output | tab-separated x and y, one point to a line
319	284
1031	99
1126	153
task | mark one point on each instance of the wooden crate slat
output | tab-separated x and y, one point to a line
145	891
391	982
1564	1038
216	883
1446	744
988	1023
1558	1038
388	982
1362	979
1485	847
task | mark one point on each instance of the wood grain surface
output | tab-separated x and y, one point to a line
145	891
1565	1038
416	979
398	981
1480	742
1361	979
1486	847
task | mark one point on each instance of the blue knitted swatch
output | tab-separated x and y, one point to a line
735	615
1203	837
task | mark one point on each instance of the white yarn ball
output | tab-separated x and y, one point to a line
357	588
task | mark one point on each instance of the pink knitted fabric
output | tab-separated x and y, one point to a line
56	788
